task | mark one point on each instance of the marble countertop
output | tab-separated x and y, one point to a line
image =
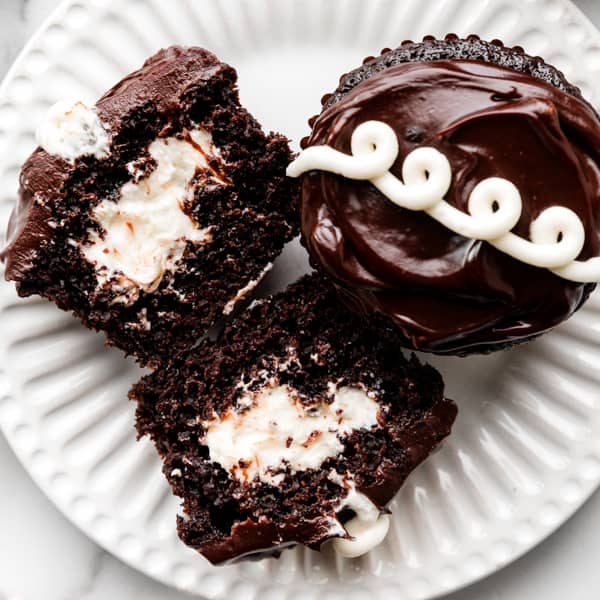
44	557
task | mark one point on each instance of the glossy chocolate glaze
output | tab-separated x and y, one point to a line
449	294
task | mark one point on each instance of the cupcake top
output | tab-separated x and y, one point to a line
493	116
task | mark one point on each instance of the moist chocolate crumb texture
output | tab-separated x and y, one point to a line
154	212
453	185
297	426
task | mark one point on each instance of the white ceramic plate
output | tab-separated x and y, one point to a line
526	447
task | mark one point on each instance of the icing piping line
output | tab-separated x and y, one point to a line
557	235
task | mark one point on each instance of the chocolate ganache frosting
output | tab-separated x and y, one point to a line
447	293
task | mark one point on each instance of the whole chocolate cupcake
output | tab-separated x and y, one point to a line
453	185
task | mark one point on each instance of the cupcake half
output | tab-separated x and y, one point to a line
479	229
297	426
153	213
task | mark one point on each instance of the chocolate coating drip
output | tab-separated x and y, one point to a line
450	294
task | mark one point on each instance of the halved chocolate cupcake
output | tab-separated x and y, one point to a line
154	212
454	186
297	426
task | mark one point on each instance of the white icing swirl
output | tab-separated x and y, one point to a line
557	235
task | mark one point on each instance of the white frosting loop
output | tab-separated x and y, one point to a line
561	231
495	205
427	177
374	152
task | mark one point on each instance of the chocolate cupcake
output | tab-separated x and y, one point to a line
454	186
154	212
297	426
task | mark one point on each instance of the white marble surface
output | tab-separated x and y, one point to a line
43	557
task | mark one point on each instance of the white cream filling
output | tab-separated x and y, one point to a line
367	529
72	130
366	535
276	431
145	233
